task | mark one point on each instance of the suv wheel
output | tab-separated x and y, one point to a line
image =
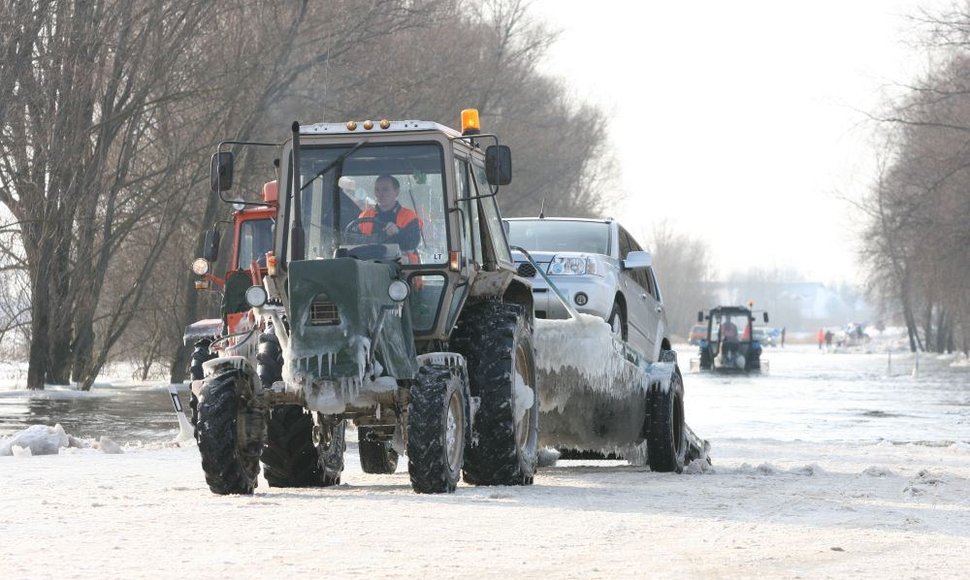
617	322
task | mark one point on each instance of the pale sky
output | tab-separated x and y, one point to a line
741	122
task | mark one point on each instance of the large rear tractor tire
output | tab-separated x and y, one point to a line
200	354
707	358
665	430
375	456
438	417
231	430
496	340
296	455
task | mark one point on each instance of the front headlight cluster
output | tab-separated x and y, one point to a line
573	265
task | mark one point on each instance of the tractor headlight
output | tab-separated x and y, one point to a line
398	290
200	266
572	266
256	296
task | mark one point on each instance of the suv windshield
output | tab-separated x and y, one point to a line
560	235
390	202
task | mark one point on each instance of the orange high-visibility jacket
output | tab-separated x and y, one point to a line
402	219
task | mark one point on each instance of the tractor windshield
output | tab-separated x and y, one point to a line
255	239
383	201
734	327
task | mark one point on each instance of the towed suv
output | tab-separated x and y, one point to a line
598	267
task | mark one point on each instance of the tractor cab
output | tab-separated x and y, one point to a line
252	230
730	344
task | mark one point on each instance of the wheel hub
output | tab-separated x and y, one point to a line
454	433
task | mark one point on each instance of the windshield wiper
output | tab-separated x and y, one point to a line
339	160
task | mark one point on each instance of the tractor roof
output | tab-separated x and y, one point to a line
731	310
378	127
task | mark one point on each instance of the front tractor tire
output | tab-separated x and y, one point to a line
665	429
438	427
496	340
230	431
299	453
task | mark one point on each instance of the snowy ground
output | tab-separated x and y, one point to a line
833	465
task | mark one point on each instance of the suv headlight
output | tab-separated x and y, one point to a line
574	265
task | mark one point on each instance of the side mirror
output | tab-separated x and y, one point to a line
220	171
498	164
211	249
700	316
766	317
637	259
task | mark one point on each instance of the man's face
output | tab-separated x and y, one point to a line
385	194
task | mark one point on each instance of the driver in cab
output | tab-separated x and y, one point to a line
390	221
729	337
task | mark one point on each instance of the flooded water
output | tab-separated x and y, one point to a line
126	414
812	396
806	396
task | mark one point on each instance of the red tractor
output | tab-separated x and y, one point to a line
252	245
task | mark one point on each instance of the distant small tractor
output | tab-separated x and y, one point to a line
729	345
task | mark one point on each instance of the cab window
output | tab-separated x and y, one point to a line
492	217
255	239
471	242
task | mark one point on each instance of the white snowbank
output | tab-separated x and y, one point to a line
44	440
960	361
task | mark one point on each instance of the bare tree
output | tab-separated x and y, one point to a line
78	130
684	269
918	209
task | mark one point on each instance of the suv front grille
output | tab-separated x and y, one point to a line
526	270
323	312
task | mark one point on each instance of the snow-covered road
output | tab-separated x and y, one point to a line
827	467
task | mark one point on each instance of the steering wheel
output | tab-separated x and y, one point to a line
354	226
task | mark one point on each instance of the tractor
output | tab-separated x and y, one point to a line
252	237
730	345
422	341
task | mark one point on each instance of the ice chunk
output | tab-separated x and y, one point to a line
38	439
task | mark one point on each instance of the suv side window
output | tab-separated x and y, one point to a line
639	275
654	288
